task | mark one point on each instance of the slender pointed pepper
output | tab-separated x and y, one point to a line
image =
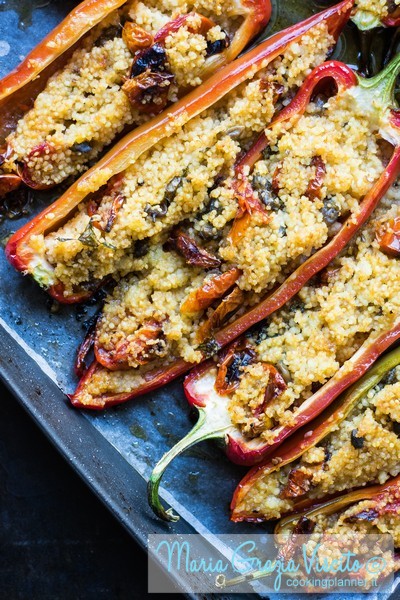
375	93
215	422
23	254
303	440
386	497
369	510
254	409
147	78
350	518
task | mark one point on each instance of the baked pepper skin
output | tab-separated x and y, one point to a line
309	436
144	137
19	88
294	283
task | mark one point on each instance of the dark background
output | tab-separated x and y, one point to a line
56	539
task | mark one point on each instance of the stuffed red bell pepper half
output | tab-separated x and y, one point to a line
297	203
285	372
360	518
355	442
164	172
120	61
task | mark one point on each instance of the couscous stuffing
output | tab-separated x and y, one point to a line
180	176
385	518
305	343
350	525
362	449
273	243
311	338
122	73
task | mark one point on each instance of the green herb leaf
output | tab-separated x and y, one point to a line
88	237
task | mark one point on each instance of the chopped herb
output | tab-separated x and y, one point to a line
88	237
171	189
390	377
141	248
282	230
267	152
155	212
107	245
328	456
356	441
209	348
82	148
330	211
108	34
296	304
263	334
240	361
369	514
263	187
235	132
208	232
63	239
218	46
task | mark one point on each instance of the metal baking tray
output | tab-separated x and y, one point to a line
113	451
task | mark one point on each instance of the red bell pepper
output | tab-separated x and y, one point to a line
344	78
133	145
19	89
308	437
318	261
358	507
386	498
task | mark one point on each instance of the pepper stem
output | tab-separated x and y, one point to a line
206	428
383	84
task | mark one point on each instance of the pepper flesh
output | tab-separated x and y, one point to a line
309	436
330	506
389	237
343	77
143	138
19	89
